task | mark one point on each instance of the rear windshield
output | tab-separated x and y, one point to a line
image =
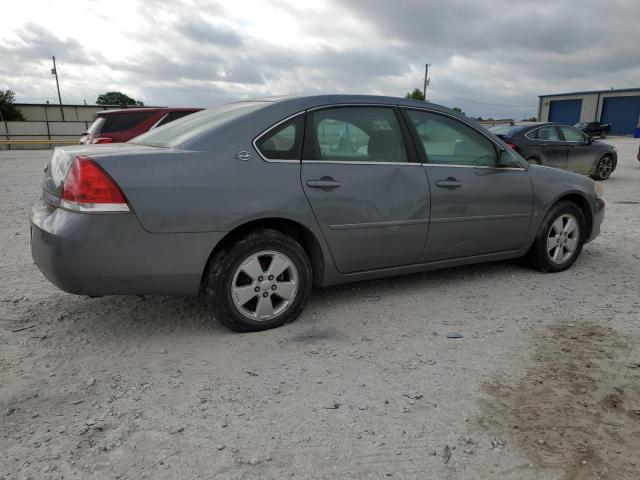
505	130
191	126
123	121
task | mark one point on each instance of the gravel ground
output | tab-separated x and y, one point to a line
545	382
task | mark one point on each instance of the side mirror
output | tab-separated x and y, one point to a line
509	159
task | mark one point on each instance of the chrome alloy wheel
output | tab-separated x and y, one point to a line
264	285
562	239
605	167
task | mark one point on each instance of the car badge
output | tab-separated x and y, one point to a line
243	155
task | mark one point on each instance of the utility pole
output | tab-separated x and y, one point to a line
427	80
54	71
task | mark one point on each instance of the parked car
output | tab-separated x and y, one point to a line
560	146
233	203
115	126
594	129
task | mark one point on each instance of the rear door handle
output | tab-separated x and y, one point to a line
450	183
325	182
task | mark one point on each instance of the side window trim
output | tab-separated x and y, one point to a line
299	138
309	141
424	160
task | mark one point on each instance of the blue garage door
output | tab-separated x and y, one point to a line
565	111
622	113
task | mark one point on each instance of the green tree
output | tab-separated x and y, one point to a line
415	95
117	98
8	110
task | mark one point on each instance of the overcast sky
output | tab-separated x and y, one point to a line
491	58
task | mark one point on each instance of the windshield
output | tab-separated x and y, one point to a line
191	126
581	125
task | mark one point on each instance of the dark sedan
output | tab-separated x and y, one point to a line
560	146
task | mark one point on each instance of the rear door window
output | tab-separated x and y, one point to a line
361	134
548	133
124	121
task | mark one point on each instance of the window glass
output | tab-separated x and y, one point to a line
170	117
283	142
196	124
366	134
546	133
449	141
571	135
124	121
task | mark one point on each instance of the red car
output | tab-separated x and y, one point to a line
116	126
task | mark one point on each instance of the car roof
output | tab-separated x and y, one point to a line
147	109
313	101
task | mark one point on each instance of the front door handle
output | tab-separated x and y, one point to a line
449	183
325	182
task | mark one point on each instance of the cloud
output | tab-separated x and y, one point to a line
491	58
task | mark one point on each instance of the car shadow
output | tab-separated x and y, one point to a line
131	320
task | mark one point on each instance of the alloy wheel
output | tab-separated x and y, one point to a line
605	167
562	239
264	285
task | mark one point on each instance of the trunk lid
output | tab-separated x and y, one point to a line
56	169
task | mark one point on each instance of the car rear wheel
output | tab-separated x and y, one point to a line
604	167
261	282
560	238
533	161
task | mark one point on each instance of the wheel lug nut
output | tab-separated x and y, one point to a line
265	294
257	289
273	287
260	278
270	277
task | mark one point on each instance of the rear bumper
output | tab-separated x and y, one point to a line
108	254
598	217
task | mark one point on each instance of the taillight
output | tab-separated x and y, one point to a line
102	140
88	188
512	146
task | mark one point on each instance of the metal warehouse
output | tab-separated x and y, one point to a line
620	108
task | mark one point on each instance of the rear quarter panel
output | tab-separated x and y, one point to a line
187	191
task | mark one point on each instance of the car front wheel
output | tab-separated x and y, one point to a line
261	282
560	238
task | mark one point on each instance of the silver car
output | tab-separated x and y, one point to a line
255	203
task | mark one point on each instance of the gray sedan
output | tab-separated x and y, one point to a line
255	203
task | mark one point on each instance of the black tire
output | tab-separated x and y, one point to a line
220	277
603	134
539	256
604	168
533	161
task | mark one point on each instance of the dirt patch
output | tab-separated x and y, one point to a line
577	408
